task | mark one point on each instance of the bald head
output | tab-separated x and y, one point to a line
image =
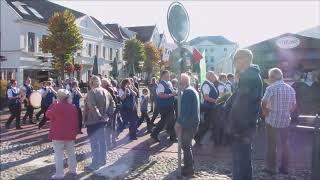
185	80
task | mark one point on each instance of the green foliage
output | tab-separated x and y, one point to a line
223	98
63	40
134	54
151	64
3	88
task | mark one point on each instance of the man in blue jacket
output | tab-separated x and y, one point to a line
244	113
188	122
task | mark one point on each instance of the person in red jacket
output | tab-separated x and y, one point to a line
63	117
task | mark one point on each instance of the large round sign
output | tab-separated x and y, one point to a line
288	42
178	22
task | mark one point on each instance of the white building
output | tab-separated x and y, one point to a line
24	24
218	52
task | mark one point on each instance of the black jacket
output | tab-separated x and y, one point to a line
246	103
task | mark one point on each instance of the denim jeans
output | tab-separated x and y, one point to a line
96	134
241	160
186	143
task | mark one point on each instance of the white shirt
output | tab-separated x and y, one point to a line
221	89
228	88
160	88
14	89
206	88
42	91
121	92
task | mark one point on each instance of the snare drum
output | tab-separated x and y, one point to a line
35	99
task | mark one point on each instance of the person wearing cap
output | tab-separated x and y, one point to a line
48	95
14	97
63	117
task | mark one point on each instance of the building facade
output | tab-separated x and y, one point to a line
218	52
24	24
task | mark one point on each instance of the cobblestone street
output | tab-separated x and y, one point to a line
27	154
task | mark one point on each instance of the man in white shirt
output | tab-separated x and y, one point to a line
165	104
14	98
210	95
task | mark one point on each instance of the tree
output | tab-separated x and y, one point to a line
63	40
152	61
134	55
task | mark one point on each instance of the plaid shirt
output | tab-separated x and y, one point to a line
280	98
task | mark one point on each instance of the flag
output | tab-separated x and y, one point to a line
196	56
203	68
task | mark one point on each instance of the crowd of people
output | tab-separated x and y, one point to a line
110	107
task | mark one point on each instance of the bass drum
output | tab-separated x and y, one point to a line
35	99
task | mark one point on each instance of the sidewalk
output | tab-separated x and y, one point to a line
27	154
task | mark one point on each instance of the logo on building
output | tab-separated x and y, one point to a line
288	42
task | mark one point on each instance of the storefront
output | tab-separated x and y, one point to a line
295	55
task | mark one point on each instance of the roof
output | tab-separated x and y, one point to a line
108	34
40	10
220	40
144	33
122	33
311	32
270	44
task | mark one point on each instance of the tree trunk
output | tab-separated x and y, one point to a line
62	73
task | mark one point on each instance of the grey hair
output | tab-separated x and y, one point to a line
186	77
244	54
276	74
95	82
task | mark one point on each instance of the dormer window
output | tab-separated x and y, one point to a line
18	5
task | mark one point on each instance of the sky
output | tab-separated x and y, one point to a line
243	22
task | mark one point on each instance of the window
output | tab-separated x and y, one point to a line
31	41
212	59
110	55
22	42
201	50
89	50
212	68
104	52
117	54
97	50
18	5
35	12
225	49
211	49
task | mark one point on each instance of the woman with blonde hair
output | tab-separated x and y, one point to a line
63	118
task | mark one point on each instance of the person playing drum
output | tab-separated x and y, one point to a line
14	99
47	99
28	89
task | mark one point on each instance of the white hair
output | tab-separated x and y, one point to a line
95	82
275	74
63	94
185	77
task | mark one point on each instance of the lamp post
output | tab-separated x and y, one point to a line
179	27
